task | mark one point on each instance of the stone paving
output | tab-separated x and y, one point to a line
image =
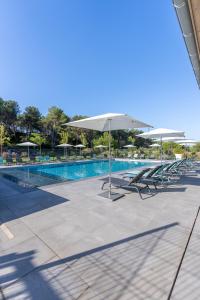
69	243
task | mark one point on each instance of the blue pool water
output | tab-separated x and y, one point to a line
46	174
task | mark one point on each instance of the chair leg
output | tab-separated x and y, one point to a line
139	191
147	186
103	185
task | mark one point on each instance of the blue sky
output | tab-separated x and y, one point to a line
96	56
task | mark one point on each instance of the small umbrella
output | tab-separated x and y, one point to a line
161	133
129	146
27	144
64	146
109	122
155	145
101	146
80	146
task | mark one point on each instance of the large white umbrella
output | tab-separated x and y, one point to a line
64	146
161	133
171	139
27	144
186	142
109	122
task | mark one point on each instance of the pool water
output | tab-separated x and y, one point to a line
39	175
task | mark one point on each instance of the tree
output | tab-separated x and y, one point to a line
168	147
38	139
83	139
3	137
54	121
1	109
30	120
196	147
131	139
177	149
78	117
103	140
9	111
64	137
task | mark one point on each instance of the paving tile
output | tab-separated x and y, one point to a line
73	244
22	259
187	283
17	229
53	280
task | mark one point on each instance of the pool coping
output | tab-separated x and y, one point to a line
75	161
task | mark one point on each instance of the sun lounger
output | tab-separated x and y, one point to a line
155	176
134	183
148	174
165	174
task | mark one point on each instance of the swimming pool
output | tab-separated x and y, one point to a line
39	175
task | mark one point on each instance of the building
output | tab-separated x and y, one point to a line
188	13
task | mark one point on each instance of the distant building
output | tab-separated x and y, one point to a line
188	13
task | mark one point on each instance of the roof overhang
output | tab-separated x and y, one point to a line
188	13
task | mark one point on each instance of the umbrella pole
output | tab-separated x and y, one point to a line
28	152
109	160
161	150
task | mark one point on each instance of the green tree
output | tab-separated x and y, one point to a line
196	147
38	139
83	139
104	140
64	137
3	137
178	149
30	120
168	147
9	111
78	117
1	109
54	121
131	139
120	137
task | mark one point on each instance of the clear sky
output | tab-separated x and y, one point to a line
96	56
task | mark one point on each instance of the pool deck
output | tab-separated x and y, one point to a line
63	241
